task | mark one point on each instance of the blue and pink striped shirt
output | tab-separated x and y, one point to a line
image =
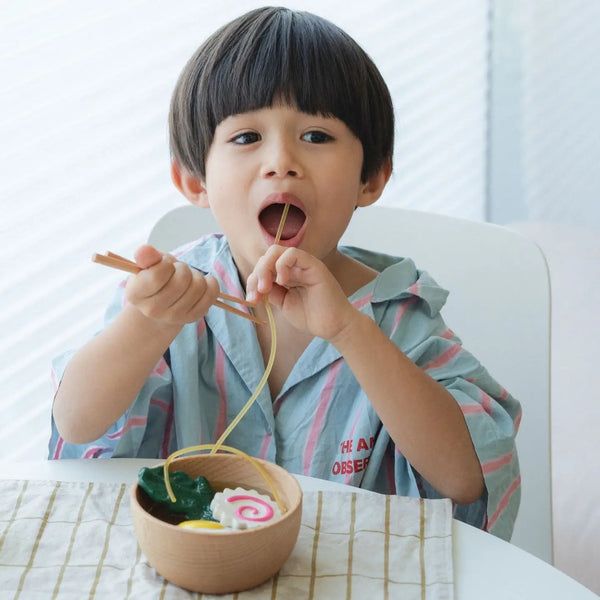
321	424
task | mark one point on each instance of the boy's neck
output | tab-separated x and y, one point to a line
291	344
350	273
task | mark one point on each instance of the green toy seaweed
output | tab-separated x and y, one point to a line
193	495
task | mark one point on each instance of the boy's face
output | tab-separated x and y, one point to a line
261	159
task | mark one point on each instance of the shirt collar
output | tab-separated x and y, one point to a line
398	279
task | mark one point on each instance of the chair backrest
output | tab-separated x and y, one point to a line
499	305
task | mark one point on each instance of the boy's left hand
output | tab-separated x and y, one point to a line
304	289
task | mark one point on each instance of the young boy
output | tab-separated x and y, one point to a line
369	387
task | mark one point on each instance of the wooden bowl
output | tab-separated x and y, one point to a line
220	562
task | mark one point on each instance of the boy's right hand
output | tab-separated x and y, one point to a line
169	291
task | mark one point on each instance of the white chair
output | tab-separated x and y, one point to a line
499	305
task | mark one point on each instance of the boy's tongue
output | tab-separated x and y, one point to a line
270	218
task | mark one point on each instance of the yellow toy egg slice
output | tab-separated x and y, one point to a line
200	524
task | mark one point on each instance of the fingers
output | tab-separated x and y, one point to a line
196	300
151	279
260	281
170	291
285	267
303	288
146	256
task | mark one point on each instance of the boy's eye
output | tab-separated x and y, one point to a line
316	137
247	137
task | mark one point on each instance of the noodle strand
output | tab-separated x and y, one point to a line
229	449
219	444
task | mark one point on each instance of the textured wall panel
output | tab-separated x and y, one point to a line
561	122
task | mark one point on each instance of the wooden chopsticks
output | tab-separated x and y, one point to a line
115	261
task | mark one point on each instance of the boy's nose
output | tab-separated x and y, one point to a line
281	162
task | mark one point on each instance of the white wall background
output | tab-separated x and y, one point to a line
561	121
84	93
545	123
85	90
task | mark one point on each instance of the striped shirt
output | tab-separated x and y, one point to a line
321	423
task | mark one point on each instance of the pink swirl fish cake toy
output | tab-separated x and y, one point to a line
243	509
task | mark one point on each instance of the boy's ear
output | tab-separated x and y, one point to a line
189	185
374	186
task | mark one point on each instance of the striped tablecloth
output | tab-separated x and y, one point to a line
75	540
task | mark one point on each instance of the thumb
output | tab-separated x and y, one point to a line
146	256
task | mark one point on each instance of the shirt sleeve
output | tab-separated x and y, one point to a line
142	431
492	415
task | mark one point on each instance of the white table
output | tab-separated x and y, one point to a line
485	567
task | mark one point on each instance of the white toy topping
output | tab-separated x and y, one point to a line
243	509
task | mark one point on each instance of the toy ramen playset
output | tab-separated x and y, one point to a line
220	522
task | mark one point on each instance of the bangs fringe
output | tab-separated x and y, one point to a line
277	54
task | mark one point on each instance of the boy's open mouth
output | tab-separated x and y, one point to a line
270	218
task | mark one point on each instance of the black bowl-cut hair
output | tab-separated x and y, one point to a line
271	55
